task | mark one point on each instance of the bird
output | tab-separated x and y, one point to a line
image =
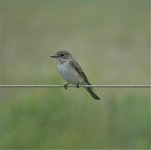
71	71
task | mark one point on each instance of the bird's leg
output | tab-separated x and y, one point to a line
65	86
77	86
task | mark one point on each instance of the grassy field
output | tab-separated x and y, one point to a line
110	39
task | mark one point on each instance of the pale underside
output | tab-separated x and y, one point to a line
70	74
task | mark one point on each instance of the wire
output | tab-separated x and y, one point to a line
60	86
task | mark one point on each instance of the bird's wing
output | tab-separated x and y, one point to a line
77	67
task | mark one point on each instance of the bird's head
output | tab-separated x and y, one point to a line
62	56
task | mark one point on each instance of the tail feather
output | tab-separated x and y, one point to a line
92	93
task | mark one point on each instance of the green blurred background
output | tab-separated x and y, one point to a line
110	39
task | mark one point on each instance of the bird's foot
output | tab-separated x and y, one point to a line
77	86
66	85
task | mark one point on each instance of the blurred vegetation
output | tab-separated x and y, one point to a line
110	39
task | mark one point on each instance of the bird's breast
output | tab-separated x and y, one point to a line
69	74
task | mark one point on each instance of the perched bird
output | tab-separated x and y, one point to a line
71	71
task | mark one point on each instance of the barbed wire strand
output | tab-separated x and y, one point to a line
60	86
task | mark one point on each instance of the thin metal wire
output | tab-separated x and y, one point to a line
60	86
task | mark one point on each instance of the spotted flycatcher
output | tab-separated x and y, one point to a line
71	71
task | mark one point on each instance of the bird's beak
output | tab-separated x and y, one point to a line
55	56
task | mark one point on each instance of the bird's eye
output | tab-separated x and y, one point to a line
62	54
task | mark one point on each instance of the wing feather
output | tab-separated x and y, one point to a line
78	68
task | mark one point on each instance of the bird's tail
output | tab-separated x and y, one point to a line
89	89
